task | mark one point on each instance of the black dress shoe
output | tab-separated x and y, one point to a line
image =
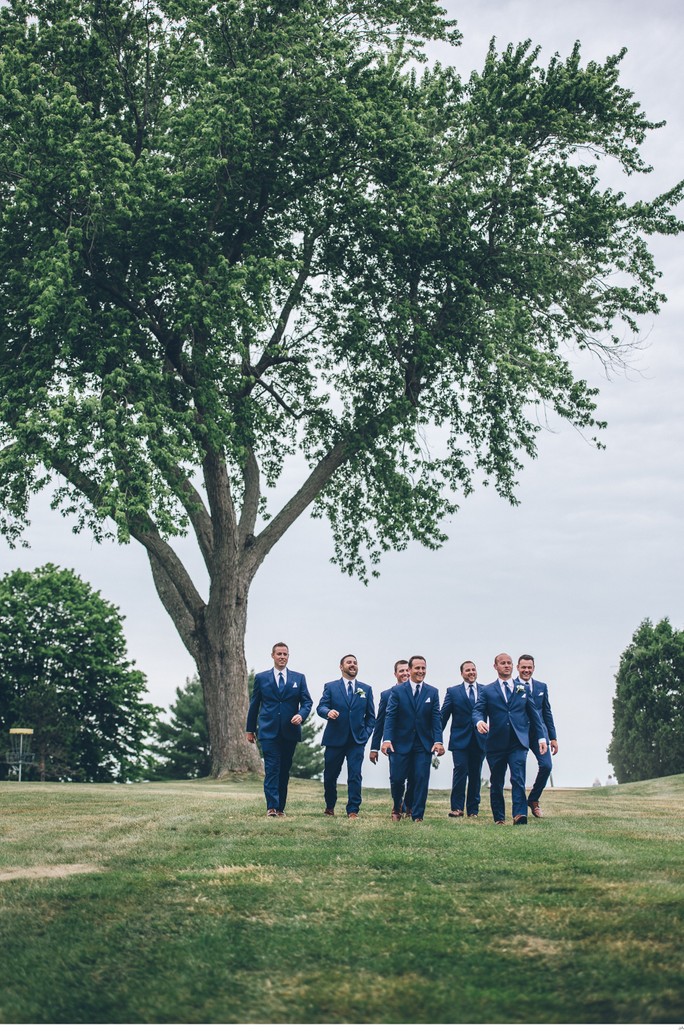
329	812
518	821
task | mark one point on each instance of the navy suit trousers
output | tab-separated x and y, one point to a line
334	759
545	765
467	768
278	754
515	759
413	766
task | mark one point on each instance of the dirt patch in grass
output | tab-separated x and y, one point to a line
34	872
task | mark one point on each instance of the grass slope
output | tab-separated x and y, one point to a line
199	909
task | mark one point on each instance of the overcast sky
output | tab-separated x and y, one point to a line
596	543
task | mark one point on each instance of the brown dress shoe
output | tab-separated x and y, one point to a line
329	812
396	815
456	812
279	812
272	812
500	822
535	809
352	816
519	820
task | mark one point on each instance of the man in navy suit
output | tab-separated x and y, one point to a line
401	674
510	710
347	705
540	696
281	702
465	744
413	731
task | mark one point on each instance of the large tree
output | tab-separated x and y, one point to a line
648	708
64	673
236	232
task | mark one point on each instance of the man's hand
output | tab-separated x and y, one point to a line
543	747
251	737
438	747
386	747
373	756
554	747
333	714
296	719
482	727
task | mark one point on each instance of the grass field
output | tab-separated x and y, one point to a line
182	903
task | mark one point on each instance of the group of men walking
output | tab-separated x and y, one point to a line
499	721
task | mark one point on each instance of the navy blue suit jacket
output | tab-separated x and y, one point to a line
274	709
405	720
356	719
540	695
518	714
459	708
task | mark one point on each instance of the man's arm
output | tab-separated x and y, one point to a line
379	727
253	711
446	708
480	713
547	716
390	717
305	702
437	745
536	721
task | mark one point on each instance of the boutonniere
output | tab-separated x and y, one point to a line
360	692
520	689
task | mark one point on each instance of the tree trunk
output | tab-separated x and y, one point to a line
222	668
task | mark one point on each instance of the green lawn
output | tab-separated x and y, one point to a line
182	903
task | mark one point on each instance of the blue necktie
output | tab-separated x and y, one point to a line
471	694
508	689
281	682
350	690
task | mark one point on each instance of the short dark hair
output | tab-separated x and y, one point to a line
400	662
349	655
279	644
465	663
413	657
530	658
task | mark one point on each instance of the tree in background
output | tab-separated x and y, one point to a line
64	672
648	708
237	232
182	746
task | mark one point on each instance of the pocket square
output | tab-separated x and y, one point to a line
428	700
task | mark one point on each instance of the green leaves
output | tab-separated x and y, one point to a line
648	709
64	673
236	233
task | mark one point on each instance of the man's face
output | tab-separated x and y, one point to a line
402	673
349	667
469	673
503	664
525	669
418	669
280	656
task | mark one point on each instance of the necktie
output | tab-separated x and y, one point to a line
350	689
471	693
507	687
416	693
281	682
